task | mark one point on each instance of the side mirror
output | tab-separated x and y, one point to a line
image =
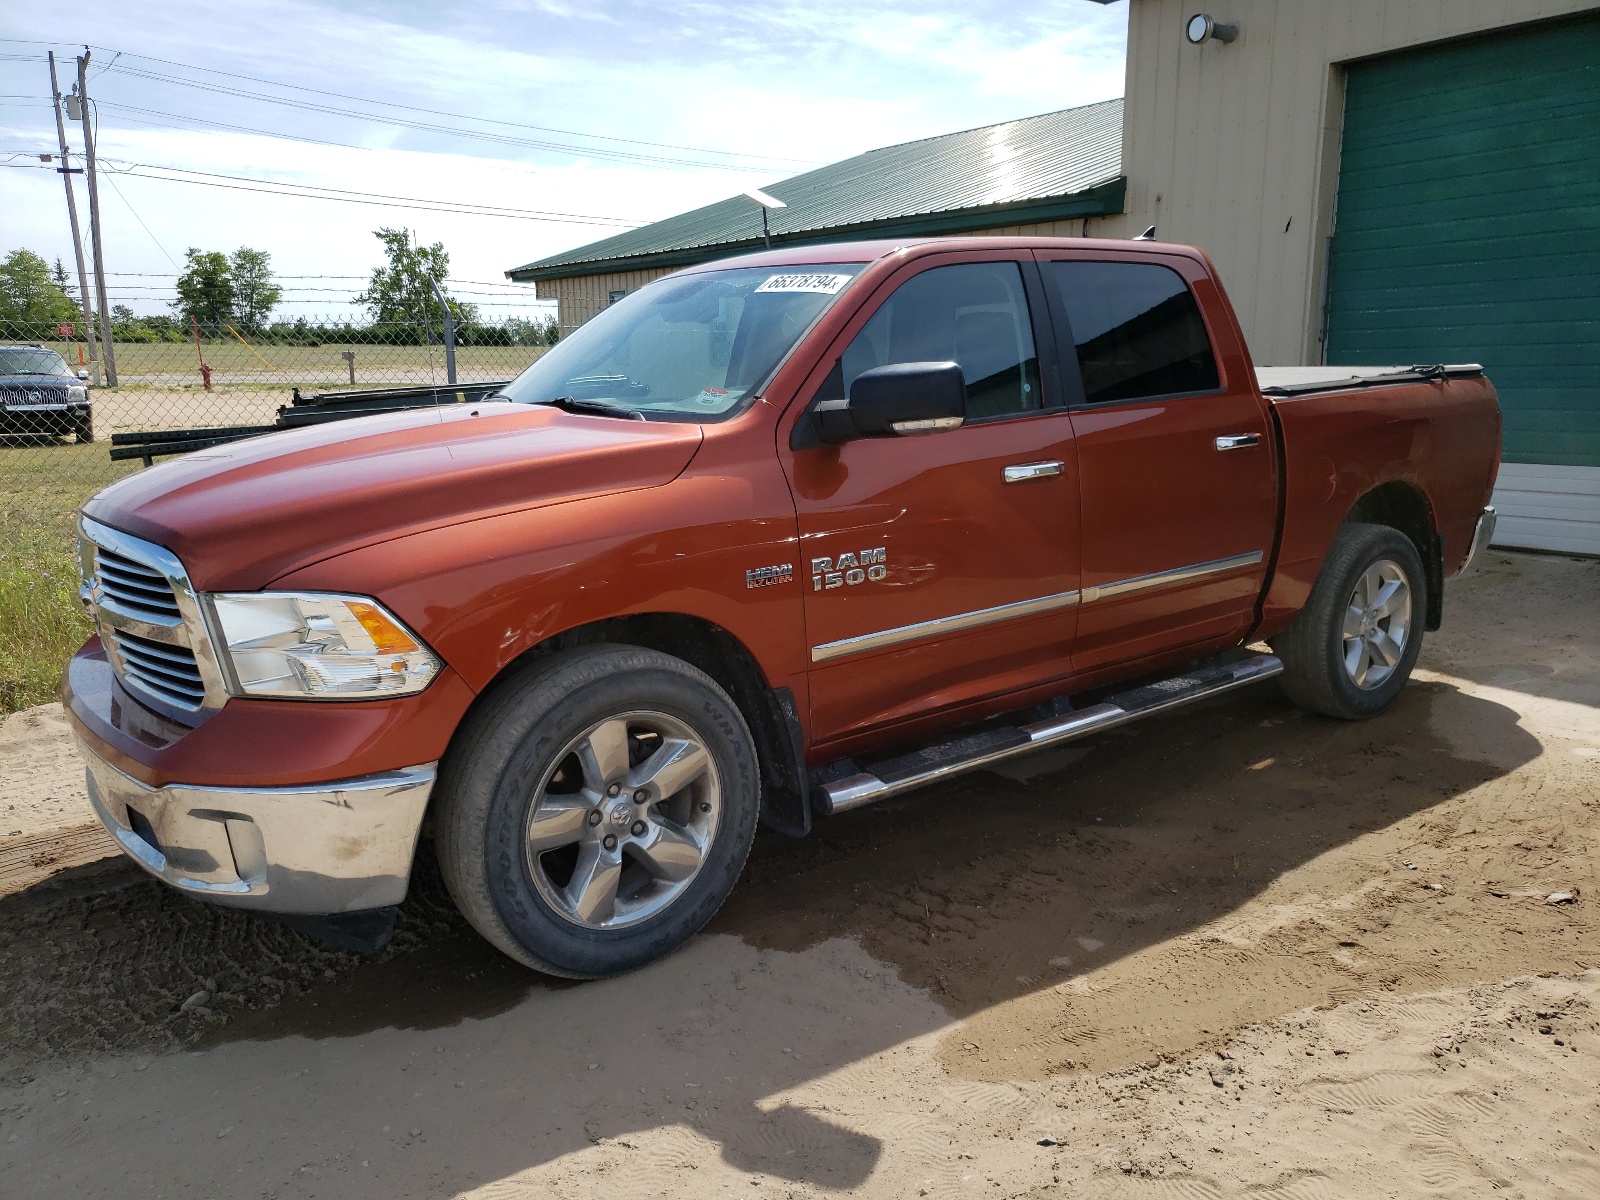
897	400
82	374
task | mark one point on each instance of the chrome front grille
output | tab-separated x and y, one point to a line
169	671
150	621
24	398
134	587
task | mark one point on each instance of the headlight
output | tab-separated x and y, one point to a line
320	646
77	395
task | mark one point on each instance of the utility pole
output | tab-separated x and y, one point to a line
94	218
66	170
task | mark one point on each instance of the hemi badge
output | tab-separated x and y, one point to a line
760	577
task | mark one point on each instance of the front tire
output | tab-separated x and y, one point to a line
1353	646
596	811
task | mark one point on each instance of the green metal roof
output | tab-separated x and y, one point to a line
1050	167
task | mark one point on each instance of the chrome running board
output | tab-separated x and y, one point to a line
944	761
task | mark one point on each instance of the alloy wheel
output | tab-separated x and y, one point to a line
623	820
1377	624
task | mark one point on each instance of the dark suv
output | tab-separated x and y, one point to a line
40	395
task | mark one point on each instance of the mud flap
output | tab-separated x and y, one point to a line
364	932
785	802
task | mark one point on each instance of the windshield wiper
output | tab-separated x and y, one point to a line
597	408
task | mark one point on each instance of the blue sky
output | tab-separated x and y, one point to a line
732	95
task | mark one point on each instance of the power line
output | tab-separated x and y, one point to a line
208	124
139	219
141	116
535	212
311	192
429	126
592	151
412	108
243	93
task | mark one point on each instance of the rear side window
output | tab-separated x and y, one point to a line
974	314
1137	330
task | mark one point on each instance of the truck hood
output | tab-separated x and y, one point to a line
245	514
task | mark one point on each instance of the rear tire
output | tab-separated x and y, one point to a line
594	813
1353	646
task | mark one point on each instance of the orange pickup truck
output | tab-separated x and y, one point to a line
769	539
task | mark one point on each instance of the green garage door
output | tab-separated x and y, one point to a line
1468	229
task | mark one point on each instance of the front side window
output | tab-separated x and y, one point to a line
1137	329
685	348
974	314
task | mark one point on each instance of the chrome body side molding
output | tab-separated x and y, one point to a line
941	625
1026	608
969	754
1140	583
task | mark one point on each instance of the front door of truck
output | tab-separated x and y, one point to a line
940	569
1176	458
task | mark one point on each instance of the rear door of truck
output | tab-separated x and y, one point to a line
1176	460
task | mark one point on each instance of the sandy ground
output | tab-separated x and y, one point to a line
46	825
41	779
1233	951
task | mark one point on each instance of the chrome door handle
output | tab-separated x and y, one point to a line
1238	441
1022	472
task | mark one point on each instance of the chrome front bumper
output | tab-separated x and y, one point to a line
317	849
1481	535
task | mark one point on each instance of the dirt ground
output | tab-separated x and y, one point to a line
1232	951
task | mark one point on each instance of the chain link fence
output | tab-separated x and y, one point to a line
66	432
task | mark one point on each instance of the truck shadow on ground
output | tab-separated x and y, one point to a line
442	1061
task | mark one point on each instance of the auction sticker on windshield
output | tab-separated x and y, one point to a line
828	285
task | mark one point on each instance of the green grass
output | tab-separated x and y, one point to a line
41	620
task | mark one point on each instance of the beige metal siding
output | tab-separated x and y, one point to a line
579	298
1234	147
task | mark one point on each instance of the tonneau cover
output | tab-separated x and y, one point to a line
1298	381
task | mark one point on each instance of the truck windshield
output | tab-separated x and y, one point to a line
687	348
25	360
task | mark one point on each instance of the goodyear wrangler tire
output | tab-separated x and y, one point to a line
1353	646
596	810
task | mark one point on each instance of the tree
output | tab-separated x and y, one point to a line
205	290
28	296
401	294
58	274
541	331
254	293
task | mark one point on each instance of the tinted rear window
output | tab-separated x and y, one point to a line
1137	329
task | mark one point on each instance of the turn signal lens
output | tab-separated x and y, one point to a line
387	635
